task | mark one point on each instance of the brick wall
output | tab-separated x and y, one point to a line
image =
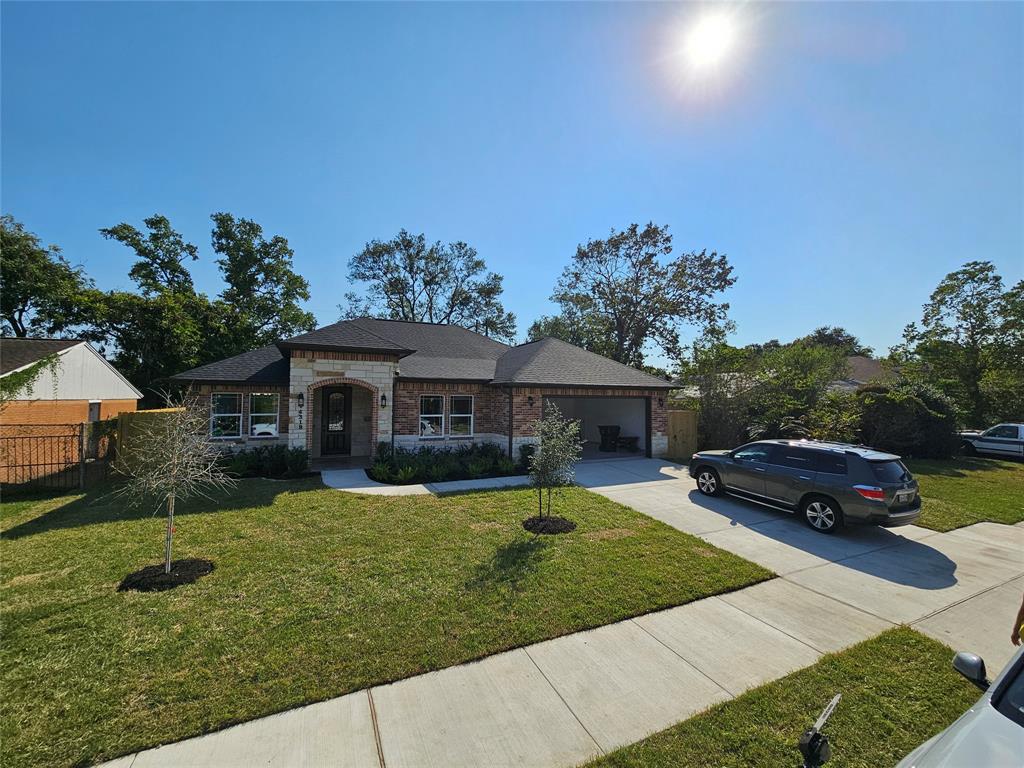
205	390
490	411
60	411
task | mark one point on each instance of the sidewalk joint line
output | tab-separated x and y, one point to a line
768	623
965	599
682	658
376	728
561	698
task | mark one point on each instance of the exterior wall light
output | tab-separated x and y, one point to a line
529	400
383	401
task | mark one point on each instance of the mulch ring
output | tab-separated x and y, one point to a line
550	524
153	579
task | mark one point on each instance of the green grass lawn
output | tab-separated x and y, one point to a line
315	593
962	491
898	689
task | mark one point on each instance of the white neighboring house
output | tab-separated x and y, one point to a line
81	387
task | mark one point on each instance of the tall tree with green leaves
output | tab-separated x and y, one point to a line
41	290
837	338
261	300
631	284
409	278
585	330
163	255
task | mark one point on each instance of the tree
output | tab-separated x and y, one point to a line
168	456
837	338
162	255
411	279
588	331
40	287
553	464
261	301
629	285
969	342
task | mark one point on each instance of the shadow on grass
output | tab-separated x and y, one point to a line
957	467
103	505
509	565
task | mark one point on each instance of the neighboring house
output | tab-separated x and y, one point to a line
82	386
343	388
862	370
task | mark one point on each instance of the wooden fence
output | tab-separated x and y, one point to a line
682	434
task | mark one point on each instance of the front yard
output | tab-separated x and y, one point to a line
963	491
899	689
315	593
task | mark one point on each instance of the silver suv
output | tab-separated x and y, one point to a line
828	484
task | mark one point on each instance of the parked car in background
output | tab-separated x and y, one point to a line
1000	440
991	733
828	484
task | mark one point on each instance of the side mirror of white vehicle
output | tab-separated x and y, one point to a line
972	667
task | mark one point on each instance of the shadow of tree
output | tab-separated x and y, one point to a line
959	467
509	565
103	505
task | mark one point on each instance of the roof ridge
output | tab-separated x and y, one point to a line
355	322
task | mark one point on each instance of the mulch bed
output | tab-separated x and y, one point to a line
550	525
153	579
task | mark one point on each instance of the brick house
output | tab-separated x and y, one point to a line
82	387
342	389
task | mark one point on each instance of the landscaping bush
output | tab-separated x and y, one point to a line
909	418
836	416
525	452
436	465
274	461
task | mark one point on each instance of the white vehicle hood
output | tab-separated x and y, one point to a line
981	737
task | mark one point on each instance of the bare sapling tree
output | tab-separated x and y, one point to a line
553	464
168	456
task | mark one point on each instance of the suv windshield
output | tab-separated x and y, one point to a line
889	471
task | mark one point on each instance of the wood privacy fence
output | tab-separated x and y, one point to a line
129	422
682	434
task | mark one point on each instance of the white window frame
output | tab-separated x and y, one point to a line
276	413
419	421
472	416
238	415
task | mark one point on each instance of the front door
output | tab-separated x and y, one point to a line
335	418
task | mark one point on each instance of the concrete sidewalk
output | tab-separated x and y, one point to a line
564	701
357	481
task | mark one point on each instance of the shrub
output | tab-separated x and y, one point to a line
266	461
380	471
525	452
405	475
505	466
435	465
296	461
909	418
479	467
836	416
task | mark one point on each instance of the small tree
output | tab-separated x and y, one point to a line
552	465
168	456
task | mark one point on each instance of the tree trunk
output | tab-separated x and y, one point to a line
170	533
540	502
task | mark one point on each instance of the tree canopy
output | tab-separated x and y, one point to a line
409	278
627	292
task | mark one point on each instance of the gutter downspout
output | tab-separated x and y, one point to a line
394	381
510	424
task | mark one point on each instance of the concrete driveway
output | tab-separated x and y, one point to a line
961	587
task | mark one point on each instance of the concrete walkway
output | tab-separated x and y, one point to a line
357	481
564	701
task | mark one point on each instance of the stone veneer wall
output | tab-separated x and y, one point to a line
311	370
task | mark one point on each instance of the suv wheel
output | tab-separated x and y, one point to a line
708	482
822	514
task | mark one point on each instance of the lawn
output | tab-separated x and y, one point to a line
315	593
898	689
962	491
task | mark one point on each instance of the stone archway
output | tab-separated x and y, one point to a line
337	381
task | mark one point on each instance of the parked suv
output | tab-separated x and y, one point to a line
828	484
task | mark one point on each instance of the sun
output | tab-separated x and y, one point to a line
710	41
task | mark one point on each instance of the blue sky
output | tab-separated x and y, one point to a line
845	158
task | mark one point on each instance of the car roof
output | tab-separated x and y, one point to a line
869	454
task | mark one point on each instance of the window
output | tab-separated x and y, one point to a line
431	416
263	415
460	418
1003	430
752	452
794	458
225	414
889	471
830	463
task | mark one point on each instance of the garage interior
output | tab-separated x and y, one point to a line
629	414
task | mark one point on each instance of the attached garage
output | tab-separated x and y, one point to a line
631	415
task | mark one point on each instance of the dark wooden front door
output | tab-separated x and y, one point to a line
335	421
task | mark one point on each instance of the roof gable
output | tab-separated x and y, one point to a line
266	365
18	352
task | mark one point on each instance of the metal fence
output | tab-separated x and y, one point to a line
58	456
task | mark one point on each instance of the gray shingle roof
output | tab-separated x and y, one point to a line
266	365
16	352
348	335
554	362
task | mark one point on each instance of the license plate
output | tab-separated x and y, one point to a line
904	498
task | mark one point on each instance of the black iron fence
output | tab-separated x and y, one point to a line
58	456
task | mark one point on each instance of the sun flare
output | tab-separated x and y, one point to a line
710	41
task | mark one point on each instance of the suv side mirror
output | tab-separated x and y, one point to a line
972	667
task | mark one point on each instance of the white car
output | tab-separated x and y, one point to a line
1001	440
988	735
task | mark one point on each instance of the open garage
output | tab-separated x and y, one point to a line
629	414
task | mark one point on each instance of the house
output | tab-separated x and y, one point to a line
342	389
860	371
82	386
